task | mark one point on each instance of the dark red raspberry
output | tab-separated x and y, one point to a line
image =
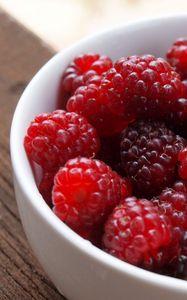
149	154
53	138
46	185
142	85
82	69
177	56
177	267
137	233
85	192
86	102
183	163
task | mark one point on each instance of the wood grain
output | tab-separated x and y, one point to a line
21	55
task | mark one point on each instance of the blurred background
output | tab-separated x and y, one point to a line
62	22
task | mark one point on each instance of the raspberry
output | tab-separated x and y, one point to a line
183	163
53	138
46	185
173	203
149	154
177	56
82	69
86	102
85	191
144	86
137	233
178	266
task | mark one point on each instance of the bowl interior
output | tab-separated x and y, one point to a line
141	37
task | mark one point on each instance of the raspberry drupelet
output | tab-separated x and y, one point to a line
142	85
149	156
83	69
139	234
177	56
53	138
85	191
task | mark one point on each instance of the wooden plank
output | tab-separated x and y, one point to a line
21	55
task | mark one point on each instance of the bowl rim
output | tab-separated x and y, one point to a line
47	214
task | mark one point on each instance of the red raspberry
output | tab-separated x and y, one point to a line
85	192
137	233
173	203
53	138
177	56
149	154
46	185
86	102
183	163
142	85
82	69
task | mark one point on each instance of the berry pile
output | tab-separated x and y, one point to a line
114	163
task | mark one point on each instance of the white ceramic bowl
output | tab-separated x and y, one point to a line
79	270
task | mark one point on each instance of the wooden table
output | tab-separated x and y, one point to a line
21	55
